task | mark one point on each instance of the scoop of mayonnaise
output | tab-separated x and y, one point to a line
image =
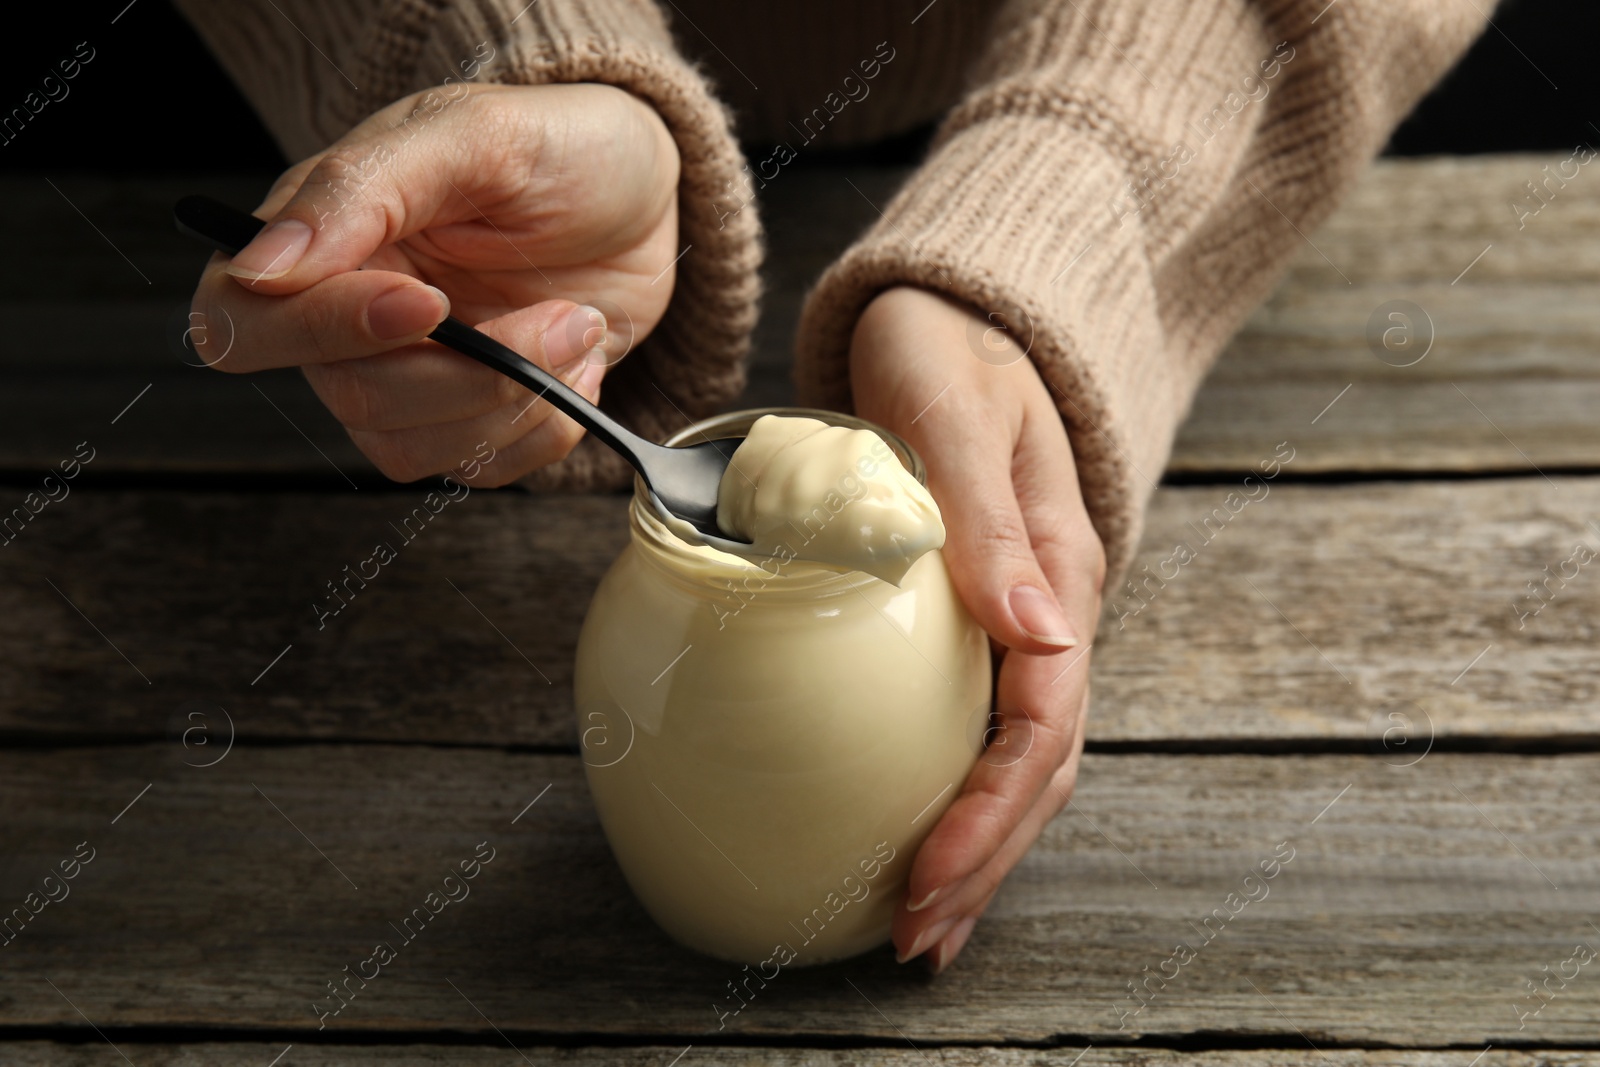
799	488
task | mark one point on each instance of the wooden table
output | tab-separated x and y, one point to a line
1343	674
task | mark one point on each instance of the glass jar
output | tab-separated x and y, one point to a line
768	743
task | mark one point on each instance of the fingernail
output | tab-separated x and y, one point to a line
588	382
272	253
918	905
406	310
946	951
930	936
583	330
1041	618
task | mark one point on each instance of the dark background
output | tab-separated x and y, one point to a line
153	99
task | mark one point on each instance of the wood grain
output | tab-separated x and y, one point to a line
1412	905
466	638
1514	335
1313	614
1320	611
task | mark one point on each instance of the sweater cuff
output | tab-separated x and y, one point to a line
1017	216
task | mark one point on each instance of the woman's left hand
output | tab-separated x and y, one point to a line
1027	563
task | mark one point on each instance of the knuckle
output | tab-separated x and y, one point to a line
1053	736
551	441
1080	546
992	812
344	180
354	400
1096	563
567	434
320	330
996	528
394	453
339	170
506	392
494	479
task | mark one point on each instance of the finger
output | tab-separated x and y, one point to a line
999	793
352	200
555	175
347	316
557	335
965	897
1064	540
1028	698
406	455
554	438
921	931
990	554
427	384
929	936
1040	701
947	948
987	544
966	433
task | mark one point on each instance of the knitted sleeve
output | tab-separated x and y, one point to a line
315	68
1123	182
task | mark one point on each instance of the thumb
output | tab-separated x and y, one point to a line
990	553
354	199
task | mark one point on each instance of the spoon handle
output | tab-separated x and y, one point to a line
228	229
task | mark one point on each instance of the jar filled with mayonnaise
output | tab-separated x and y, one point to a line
769	739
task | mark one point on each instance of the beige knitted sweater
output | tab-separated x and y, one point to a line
1121	180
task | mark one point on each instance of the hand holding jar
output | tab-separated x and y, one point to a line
1028	565
788	757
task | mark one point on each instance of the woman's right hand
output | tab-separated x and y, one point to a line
516	208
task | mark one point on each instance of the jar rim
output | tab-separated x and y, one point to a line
690	563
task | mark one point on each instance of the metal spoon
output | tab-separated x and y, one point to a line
683	481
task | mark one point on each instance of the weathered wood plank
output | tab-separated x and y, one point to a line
1410	906
1516	332
202	592
304	1054
1387	593
1321	611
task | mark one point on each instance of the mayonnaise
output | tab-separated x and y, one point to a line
799	488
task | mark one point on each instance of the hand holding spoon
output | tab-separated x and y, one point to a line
683	482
